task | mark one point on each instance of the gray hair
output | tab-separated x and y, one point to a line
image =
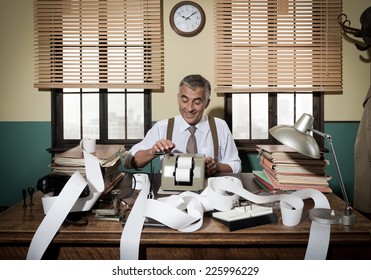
195	81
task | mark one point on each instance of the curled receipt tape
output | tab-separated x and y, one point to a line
95	182
57	208
184	212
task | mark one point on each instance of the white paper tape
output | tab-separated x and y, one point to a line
57	208
184	162
82	204
185	212
319	235
96	187
55	217
182	175
130	236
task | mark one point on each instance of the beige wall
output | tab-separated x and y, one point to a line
19	101
356	72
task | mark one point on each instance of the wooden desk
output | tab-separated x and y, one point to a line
101	239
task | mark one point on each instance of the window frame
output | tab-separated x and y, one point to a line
59	144
249	145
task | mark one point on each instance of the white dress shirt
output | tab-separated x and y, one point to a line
228	152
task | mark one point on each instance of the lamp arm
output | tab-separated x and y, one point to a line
324	135
348	209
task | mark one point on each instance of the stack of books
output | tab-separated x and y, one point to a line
286	169
72	160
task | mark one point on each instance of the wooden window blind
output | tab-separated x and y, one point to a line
98	44
278	46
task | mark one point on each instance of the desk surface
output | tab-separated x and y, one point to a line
101	239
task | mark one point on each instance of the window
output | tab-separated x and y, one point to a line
251	115
100	59
275	59
110	116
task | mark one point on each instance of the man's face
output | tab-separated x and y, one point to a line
192	104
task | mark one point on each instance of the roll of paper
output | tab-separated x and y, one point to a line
88	145
184	162
183	175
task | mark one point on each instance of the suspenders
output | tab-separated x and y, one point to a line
170	128
214	134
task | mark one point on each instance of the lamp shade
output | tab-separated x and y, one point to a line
298	136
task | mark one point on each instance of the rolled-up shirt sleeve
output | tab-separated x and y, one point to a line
154	134
228	152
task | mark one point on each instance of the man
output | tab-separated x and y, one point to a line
193	98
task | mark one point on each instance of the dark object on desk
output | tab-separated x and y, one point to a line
148	222
30	191
24	195
54	182
270	218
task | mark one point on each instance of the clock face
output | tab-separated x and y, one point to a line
187	19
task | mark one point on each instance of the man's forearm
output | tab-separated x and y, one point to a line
142	158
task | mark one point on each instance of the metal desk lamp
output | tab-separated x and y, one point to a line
298	137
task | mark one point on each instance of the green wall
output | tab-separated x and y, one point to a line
24	157
343	139
23	147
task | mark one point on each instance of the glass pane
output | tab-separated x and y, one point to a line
135	115
259	116
304	104
90	115
71	116
285	109
240	116
116	116
88	90
75	90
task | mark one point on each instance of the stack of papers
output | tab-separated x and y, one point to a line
285	169
108	156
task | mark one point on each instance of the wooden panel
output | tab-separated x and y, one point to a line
225	253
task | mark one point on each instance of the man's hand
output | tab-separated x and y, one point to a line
143	157
163	146
211	166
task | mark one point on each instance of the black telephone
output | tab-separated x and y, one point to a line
54	182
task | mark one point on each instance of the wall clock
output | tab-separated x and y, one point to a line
187	18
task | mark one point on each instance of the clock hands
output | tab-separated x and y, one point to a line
190	15
187	18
